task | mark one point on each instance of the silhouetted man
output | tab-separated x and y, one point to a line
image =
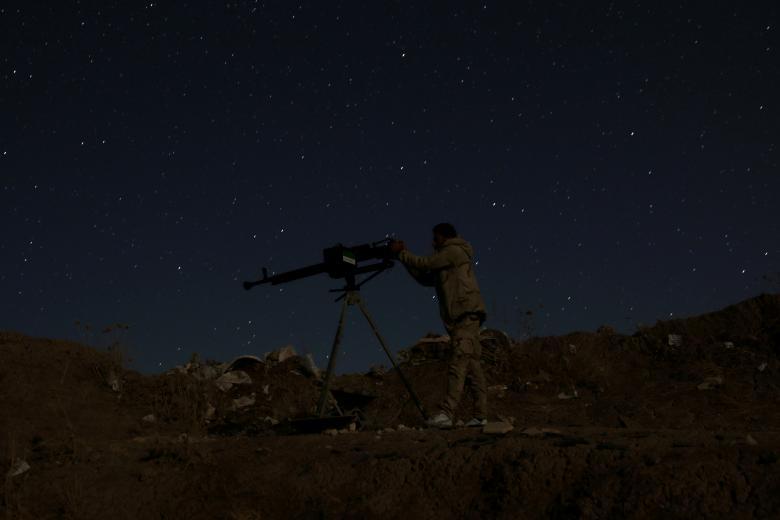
462	310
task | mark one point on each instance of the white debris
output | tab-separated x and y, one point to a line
149	418
762	367
573	395
18	467
572	348
236	377
243	362
728	344
280	354
675	340
244	401
267	389
271	420
309	366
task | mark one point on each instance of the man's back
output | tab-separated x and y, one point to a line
451	271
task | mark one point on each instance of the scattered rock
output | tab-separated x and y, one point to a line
352	427
310	367
235	377
149	418
497	428
750	440
573	395
762	367
533	432
728	345
244	401
210	411
245	362
281	354
710	383
330	431
113	381
18	467
606	330
377	371
271	420
572	348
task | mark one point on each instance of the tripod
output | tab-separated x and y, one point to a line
351	296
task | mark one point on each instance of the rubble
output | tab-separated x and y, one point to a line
149	418
309	366
18	467
572	395
114	381
280	354
710	383
237	377
497	428
244	362
675	340
376	371
244	401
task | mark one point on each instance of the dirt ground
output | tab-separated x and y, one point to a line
678	420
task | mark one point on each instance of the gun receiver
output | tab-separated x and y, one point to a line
339	261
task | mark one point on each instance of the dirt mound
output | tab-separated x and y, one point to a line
679	419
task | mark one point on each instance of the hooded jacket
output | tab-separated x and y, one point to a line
451	272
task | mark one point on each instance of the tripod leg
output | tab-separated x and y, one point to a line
332	361
406	382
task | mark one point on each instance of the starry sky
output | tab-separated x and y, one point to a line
611	162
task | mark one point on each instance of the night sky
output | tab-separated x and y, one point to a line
612	163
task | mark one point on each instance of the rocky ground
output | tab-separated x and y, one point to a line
681	419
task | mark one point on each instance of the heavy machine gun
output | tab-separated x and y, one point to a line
339	261
347	262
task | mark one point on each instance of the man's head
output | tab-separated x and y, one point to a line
443	232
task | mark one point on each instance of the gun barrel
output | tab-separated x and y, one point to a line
296	274
287	276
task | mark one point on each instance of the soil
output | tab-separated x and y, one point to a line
605	426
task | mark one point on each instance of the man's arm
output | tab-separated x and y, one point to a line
425	278
437	261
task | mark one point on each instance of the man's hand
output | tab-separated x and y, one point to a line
396	246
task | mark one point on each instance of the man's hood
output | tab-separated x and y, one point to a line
459	242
